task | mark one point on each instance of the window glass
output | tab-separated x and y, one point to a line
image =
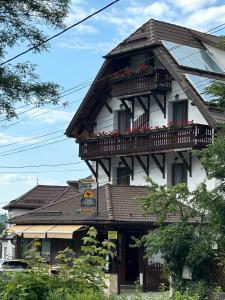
180	111
45	249
200	84
192	57
179	173
123	176
123	120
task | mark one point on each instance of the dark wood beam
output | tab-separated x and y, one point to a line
161	106
144	167
107	171
93	171
161	166
187	164
126	164
108	107
127	108
143	105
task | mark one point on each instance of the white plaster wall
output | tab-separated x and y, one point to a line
9	252
198	172
217	54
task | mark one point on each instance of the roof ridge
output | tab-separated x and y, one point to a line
45	206
108	201
63	192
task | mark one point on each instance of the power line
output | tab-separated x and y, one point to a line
39	166
30	139
59	33
58	141
87	84
73	101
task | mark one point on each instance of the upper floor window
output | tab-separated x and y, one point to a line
180	111
179	173
123	120
123	176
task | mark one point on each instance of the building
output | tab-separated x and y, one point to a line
35	198
144	114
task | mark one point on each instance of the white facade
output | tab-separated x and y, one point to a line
107	122
8	249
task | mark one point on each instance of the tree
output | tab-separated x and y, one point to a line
196	237
23	22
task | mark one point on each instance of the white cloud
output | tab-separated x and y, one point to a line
205	18
48	182
8	139
192	5
81	44
156	9
28	180
50	116
8	179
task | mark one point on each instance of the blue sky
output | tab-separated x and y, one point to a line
72	59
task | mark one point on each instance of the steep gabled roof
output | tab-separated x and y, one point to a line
151	35
117	204
153	32
36	197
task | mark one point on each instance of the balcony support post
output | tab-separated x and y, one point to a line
131	169
145	109
127	108
108	107
107	171
161	106
162	165
93	171
144	167
188	164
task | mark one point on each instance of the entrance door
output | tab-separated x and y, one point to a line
131	260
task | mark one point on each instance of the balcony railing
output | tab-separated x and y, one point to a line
146	142
159	80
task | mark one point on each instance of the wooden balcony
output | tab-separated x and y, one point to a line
160	81
161	140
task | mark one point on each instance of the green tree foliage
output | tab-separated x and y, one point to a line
23	23
198	224
217	90
83	275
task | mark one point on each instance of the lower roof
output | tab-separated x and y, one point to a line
116	204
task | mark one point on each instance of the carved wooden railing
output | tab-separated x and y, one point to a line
196	135
159	80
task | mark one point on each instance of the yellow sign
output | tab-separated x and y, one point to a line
88	210
112	235
88	194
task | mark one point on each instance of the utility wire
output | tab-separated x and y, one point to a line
100	128
88	84
59	33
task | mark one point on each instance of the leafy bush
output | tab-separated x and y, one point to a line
76	275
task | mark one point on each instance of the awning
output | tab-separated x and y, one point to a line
18	229
37	231
62	231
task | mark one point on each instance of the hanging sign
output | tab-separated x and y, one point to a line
112	235
88	203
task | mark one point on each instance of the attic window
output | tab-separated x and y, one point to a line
192	57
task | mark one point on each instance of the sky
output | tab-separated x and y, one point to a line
72	61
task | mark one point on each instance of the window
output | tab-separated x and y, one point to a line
179	173
180	111
123	176
192	57
45	249
123	120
